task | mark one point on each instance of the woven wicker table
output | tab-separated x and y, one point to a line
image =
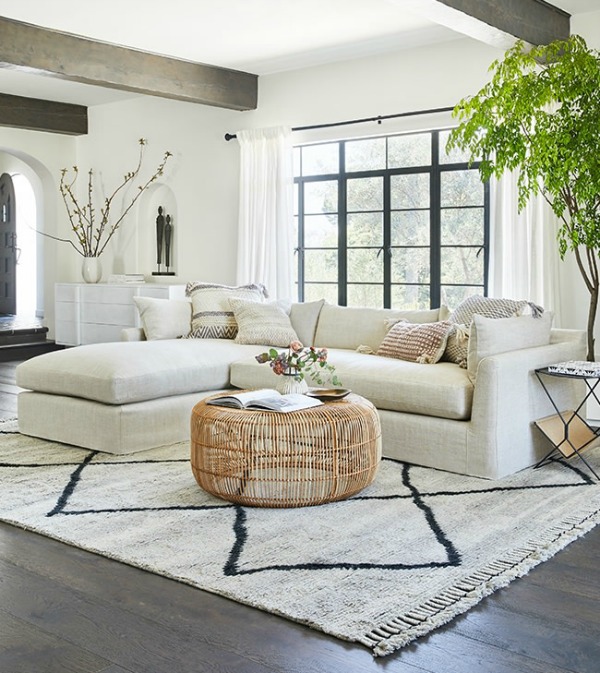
270	459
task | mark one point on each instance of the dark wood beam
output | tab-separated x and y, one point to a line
43	115
30	48
499	22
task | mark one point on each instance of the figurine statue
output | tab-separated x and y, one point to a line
160	227
168	233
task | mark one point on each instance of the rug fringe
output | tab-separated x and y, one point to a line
467	592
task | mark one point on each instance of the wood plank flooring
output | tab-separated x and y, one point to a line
63	610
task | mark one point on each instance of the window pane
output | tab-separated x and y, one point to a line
364	266
453	157
320	159
365	194
410	265
410	296
296	192
321	197
365	295
365	155
410	191
320	231
451	296
462	226
410	227
365	229
320	265
316	291
408	151
461	188
462	265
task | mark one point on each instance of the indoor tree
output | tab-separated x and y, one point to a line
540	116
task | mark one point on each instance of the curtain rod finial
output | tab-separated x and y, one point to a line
230	136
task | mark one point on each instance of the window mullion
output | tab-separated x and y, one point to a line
342	229
435	224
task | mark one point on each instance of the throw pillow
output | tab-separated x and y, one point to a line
164	318
212	317
422	342
304	318
491	336
457	346
263	323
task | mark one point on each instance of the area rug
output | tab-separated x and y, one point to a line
406	555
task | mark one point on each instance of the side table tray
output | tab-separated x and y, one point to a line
568	432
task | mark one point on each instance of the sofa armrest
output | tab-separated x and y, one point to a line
133	334
508	398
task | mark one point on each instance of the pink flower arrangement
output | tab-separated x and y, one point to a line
298	361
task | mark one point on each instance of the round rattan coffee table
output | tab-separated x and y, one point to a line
296	459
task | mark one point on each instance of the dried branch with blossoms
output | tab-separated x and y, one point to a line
91	236
299	361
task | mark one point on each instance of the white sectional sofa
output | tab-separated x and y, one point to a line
137	394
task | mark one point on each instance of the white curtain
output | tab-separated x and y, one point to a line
524	260
265	246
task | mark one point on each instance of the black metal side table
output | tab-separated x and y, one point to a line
568	431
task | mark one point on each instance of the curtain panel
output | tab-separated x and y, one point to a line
266	214
524	260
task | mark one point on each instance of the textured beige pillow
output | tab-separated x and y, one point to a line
164	318
212	317
423	342
265	323
491	336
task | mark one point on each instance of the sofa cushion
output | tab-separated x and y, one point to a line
265	323
123	372
443	390
304	317
457	345
212	317
493	336
424	343
350	327
164	318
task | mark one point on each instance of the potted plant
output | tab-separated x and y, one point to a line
540	116
92	233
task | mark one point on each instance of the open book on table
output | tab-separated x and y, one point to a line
266	400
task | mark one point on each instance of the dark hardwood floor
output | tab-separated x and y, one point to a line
63	610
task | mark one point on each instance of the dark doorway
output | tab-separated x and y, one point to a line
8	246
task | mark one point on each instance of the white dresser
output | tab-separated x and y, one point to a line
95	313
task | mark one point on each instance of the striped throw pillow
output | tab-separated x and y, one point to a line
265	323
423	342
212	317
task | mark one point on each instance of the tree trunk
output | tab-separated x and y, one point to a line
591	322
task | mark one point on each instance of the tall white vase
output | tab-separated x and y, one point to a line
91	269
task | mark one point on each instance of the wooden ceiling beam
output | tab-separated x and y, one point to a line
28	48
497	22
43	115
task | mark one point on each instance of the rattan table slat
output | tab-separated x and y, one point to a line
296	459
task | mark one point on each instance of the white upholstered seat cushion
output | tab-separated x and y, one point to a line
443	389
124	372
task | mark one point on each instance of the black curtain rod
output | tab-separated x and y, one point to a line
231	136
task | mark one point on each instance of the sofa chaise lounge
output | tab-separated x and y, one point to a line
138	394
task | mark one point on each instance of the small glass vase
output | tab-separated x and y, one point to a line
91	269
291	384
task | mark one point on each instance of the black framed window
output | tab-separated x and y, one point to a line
391	221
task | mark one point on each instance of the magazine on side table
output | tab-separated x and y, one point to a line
266	399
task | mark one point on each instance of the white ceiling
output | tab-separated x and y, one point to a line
259	36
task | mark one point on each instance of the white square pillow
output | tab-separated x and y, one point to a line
164	318
265	323
212	317
491	336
